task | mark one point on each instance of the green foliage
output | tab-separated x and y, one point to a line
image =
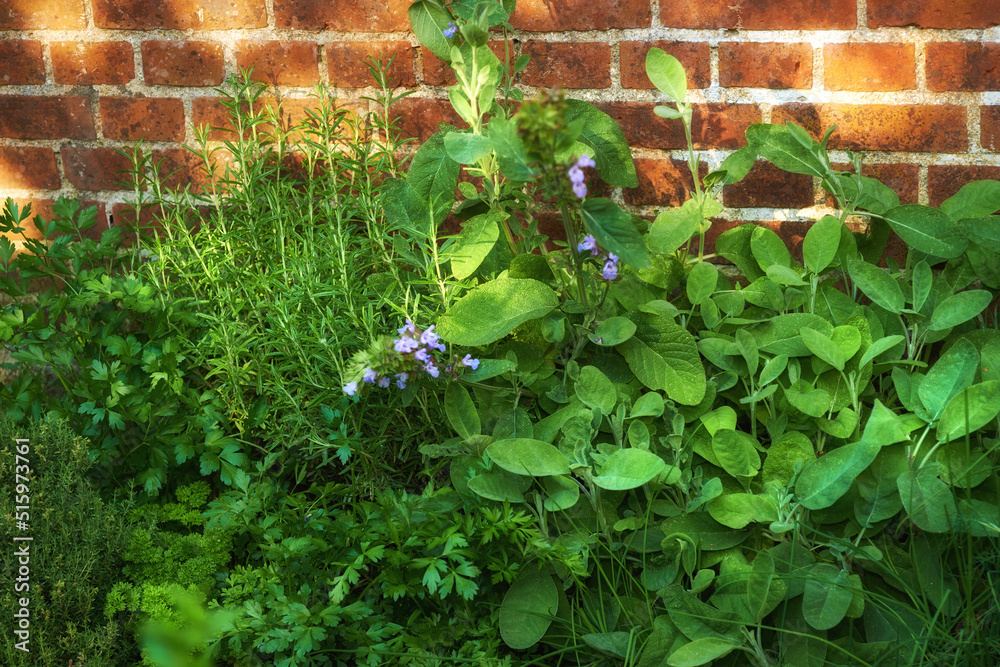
74	558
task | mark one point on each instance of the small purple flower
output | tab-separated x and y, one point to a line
432	370
351	388
585	161
409	326
588	244
438	346
421	355
369	376
470	362
580	190
428	337
405	344
401	379
613	257
610	271
449	32
384	382
576	175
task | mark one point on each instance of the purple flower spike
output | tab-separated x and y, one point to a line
588	244
369	376
384	382
432	370
428	337
580	190
449	32
421	355
585	161
351	388
610	271
401	379
576	175
470	362
405	344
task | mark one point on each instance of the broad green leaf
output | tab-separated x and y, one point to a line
959	308
527	610
815	402
673	228
698	620
701	282
768	249
509	149
700	652
874	196
614	331
928	501
880	346
479	235
773	369
884	426
954	371
733	245
783	454
923	280
927	229
738	510
760	582
561	493
738	164
736	452
827	596
595	390
747	345
461	411
984	231
497	485
780	335
819	248
605	137
629	469
776	144
526	456
428	22
973	200
667	74
650	404
466	148
706	532
433	174
613	230
877	285
404	207
823	481
491	311
824	347
842	426
664	356
969	411
785	276
878	492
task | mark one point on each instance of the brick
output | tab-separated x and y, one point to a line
963	66
21	62
181	168
869	66
661	183
352	16
149	118
419	117
348	62
547	16
95	168
759	14
43	117
947	14
42	15
28	168
945	180
569	64
769	187
182	63
284	63
179	14
883	127
712	125
765	65
694	56
88	64
209	111
989	128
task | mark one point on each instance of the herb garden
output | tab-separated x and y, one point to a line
345	403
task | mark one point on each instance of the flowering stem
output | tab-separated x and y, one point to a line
575	253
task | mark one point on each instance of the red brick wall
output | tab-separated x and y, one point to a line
916	83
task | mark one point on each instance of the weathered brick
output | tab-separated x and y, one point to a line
712	125
661	183
187	169
944	180
352	16
57	117
348	62
42	15
28	168
150	118
883	127
87	64
989	127
419	117
179	14
769	187
765	65
182	63
903	179
759	14
284	63
95	168
569	64
694	56
947	14
209	111
869	66
963	66
21	62
547	16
